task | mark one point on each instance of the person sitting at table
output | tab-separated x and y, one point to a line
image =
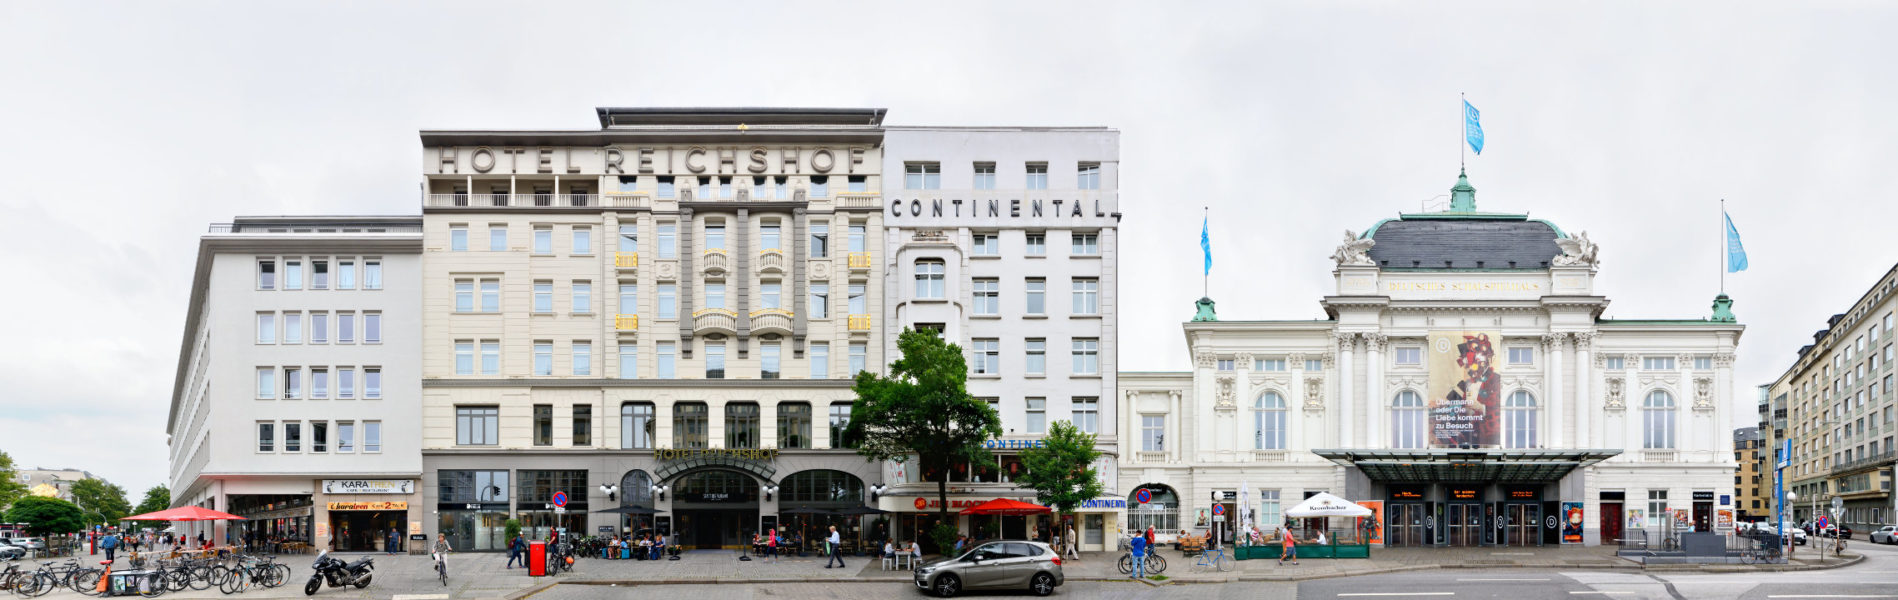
645	547
1320	540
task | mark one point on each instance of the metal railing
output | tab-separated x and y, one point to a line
859	322
1879	459
859	260
626	260
531	200
626	322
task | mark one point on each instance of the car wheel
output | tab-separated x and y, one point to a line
947	585
1042	585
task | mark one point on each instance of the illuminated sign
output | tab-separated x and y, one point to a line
1464	494
1406	495
1011	444
672	454
1522	494
368	506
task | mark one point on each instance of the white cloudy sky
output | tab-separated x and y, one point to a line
126	127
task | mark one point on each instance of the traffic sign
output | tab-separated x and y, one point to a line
1143	495
560	499
1837	503
1219	510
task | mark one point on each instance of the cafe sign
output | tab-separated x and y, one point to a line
368	506
368	486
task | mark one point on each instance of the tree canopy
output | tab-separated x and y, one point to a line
46	516
100	502
10	487
1061	470
156	499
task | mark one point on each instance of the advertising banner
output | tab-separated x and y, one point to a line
1636	519
1372	526
1572	520
1723	520
1465	399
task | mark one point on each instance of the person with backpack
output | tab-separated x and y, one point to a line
514	552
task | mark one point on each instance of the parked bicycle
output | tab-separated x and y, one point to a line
1155	564
1213	558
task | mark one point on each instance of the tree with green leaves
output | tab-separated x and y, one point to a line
46	516
156	499
10	487
1061	470
102	503
923	412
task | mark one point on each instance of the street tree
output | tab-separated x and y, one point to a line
923	412
46	516
156	499
10	487
1061	470
100	502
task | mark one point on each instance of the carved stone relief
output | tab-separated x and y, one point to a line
1314	393
1614	397
1703	393
1204	360
1224	393
668	270
820	270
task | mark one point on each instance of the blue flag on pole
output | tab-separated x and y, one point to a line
1736	253
1473	127
1206	245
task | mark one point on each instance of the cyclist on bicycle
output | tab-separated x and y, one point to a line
441	553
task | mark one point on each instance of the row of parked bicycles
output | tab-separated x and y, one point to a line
148	577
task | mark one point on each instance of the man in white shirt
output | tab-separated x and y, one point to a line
833	542
1321	537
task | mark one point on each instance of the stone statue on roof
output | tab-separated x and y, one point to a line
1576	251
1353	251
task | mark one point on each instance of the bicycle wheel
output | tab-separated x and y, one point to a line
199	578
1155	564
1126	564
86	582
177	580
1222	562
278	575
39	586
153	585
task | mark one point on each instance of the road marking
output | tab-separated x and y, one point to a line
1397	594
1832	596
1598	592
1502	580
420	597
1512	554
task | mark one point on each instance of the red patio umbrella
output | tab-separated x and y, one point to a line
185	513
1004	506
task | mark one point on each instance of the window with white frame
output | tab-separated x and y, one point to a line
582	357
266	436
583	297
922	176
292	383
372	382
1519	421
319	328
345	382
490	357
457	238
984	176
668	355
345	436
929	279
266	383
628	298
319	274
1615	363
1085	244
857	303
1224	364
770	236
464	357
1089	176
345	328
820	239
1152	433
1087	360
1268	422
771	294
1037	176
859	358
464	295
714	295
490	295
986	244
1703	363
1657	421
668	239
986	356
1036	361
1408	355
668	301
770	359
854	238
1037	412
1408	427
292	436
543	358
1268	364
819	307
1657	363
988	301
266	328
715	360
1087	414
628	237
1314	365
628	360
819	356
292	274
544	297
582	240
266	274
345	274
372	274
1087	296
497	237
543	239
1035	296
1520	355
372	328
1037	243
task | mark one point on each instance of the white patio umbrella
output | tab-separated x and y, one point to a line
1326	505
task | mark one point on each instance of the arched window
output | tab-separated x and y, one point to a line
1657	420
635	489
1519	420
1407	421
1161	512
821	487
1268	422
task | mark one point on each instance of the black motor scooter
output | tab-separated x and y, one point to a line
337	574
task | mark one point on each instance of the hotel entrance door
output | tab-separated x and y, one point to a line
1465	524
1405	525
1521	524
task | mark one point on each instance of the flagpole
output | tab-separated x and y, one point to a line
1462	115
1723	247
1205	275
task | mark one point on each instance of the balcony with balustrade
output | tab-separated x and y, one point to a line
626	262
859	325
714	320
860	262
626	323
715	261
771	320
771	261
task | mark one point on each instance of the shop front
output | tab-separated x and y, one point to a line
541	512
472	508
715	509
1474	497
367	526
270	521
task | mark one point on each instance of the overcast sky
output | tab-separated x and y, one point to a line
128	127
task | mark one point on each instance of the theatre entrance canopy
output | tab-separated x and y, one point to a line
1441	465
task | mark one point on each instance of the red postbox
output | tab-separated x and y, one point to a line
537	559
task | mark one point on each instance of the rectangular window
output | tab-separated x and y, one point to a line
1037	174
705	188
715	360
490	295
583	297
1409	355
1036	362
1037	415
266	436
858	304
1087	360
859	358
628	299
1314	365
1085	244
319	383
1087	414
372	328
628	238
1268	364
820	240
319	328
292	383
820	360
292	275
543	425
985	356
688	425
319	274
668	301
1152	433
1703	363
490	357
543	297
582	425
1087	296
769	237
543	239
667	354
794	425
266	383
346	382
345	274
266	274
771	293
346	328
266	328
984	176
628	361
770	354
497	237
666	187
345	437
820	186
741	425
1657	509
1036	297
1522	356
714	237
1224	364
922	176
1037	244
582	357
668	240
855	237
1615	363
372	382
543	358
820	301
292	437
636	426
715	295
582	241
988	300
929	279
458	238
986	244
319	436
476	426
1657	363
839	421
1089	176
371	274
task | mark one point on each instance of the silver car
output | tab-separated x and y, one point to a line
1886	535
8	551
29	543
1033	566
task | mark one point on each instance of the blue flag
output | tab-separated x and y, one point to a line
1473	127
1736	253
1206	245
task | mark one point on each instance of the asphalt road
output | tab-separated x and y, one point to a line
1875	578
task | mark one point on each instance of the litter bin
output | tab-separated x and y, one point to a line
537	559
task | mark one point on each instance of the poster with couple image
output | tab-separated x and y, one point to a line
1466	394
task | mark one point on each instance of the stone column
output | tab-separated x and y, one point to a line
1175	425
1347	345
1243	398
1295	405
1373	418
1584	404
1554	421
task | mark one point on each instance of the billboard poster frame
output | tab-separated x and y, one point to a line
1372	526
1574	519
1465	396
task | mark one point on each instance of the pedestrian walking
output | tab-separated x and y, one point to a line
109	544
830	545
1138	548
1288	547
1073	543
771	545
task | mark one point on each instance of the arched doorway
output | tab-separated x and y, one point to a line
635	491
715	508
806	492
1161	511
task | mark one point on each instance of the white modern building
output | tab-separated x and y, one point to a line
1463	381
1006	239
297	400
